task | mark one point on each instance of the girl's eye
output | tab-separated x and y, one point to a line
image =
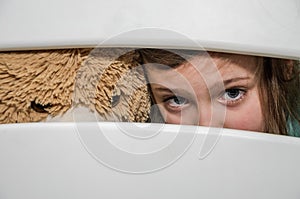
232	96
176	101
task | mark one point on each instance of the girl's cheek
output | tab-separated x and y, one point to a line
185	117
248	115
249	120
171	117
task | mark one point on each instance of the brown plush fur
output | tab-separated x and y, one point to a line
37	84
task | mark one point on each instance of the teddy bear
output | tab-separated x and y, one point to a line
41	85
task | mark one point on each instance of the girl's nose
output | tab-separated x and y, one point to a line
211	115
204	115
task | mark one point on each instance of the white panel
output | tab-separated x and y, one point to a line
269	27
49	160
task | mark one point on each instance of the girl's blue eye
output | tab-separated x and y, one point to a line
232	93
176	101
232	96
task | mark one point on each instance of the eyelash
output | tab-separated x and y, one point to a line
232	100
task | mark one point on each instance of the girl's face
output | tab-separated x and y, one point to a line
209	91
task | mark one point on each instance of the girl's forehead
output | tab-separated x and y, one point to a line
208	64
221	62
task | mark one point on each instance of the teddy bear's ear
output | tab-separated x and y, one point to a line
36	84
111	81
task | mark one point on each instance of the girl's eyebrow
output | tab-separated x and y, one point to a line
235	79
162	89
215	88
175	91
218	86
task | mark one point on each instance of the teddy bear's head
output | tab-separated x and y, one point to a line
36	85
112	82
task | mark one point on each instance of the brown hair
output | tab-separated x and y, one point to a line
279	91
278	81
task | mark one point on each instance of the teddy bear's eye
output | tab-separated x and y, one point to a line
39	107
116	95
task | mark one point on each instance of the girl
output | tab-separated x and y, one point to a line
224	90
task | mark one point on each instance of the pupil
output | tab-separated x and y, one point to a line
178	100
233	93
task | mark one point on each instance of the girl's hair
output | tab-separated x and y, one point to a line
278	83
279	92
